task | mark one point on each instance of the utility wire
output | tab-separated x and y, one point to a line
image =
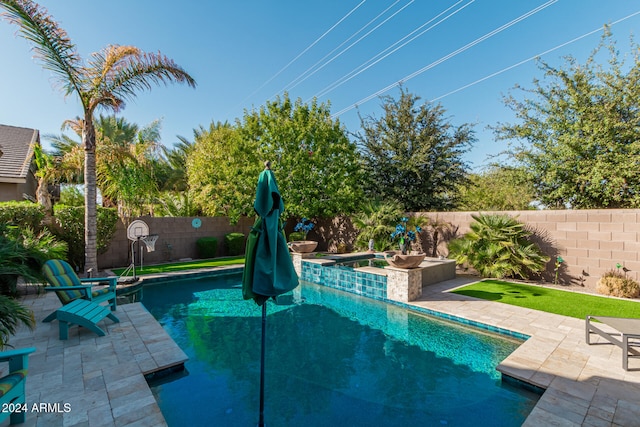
447	57
597	30
304	51
370	63
299	80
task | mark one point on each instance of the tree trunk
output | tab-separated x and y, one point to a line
90	196
43	196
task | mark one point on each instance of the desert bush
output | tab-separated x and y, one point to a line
376	221
207	247
616	284
22	254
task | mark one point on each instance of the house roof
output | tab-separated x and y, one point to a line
16	152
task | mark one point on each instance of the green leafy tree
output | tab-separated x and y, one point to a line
413	155
577	132
112	76
126	161
498	246
316	165
497	189
69	227
70	195
223	169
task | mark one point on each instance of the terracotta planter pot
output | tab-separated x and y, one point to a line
404	261
302	246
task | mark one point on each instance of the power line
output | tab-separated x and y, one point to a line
304	51
449	56
532	58
370	63
300	79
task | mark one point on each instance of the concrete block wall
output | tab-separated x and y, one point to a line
590	242
176	239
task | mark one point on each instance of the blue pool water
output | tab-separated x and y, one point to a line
332	359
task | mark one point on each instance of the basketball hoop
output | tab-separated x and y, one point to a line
150	242
137	230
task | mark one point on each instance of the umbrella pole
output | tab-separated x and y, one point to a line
262	352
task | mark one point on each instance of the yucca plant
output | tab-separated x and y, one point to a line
498	246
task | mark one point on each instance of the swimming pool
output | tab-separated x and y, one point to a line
332	359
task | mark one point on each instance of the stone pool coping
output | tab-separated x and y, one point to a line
584	385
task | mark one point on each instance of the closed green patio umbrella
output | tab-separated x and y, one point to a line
268	270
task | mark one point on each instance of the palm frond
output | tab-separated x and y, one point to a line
126	69
51	44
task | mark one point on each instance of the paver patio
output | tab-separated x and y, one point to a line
585	384
102	378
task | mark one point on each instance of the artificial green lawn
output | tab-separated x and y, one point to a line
572	304
179	266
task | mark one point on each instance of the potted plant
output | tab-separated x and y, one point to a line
403	236
303	246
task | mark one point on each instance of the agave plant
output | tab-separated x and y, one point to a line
498	246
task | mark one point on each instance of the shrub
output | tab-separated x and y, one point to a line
498	246
22	214
207	247
234	243
69	227
616	284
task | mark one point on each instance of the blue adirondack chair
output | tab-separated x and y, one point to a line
69	287
12	385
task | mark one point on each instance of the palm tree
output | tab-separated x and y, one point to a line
376	221
126	158
175	165
110	77
499	246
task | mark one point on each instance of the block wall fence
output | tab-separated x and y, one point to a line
176	239
590	242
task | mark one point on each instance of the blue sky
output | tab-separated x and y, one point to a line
243	53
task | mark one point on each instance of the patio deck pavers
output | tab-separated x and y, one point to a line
99	379
102	378
585	385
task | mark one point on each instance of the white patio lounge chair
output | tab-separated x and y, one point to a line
627	329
